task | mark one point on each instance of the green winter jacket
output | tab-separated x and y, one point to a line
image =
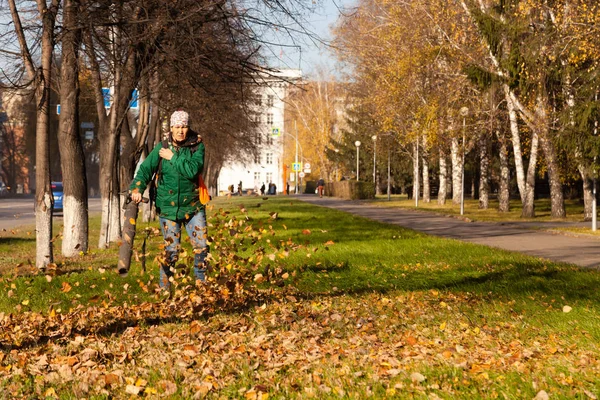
177	189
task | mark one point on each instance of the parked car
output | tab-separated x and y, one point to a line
3	190
57	193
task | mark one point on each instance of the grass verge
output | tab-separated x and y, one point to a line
472	211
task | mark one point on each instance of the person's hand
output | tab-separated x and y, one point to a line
167	154
136	196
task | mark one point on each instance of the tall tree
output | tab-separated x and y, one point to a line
40	78
75	197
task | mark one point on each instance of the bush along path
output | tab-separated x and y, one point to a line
296	308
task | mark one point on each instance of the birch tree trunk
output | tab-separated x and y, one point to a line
529	193
425	161
516	142
484	162
504	190
416	188
456	172
41	79
75	214
526	184
443	174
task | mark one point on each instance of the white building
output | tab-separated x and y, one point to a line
268	166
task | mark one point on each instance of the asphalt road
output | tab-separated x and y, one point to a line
582	251
19	212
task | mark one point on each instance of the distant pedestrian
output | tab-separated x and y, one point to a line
240	188
320	186
262	189
287	187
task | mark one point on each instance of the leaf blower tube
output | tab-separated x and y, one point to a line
126	248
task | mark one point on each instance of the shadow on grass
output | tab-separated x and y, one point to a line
512	281
15	241
328	267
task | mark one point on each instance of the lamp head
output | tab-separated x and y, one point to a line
357	143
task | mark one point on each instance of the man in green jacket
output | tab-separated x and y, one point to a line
179	165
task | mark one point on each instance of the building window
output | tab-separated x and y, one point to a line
257	159
269	177
269	139
256	177
269	119
270	100
258	138
269	158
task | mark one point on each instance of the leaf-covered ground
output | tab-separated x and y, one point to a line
418	344
299	308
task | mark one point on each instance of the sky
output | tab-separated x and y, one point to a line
309	56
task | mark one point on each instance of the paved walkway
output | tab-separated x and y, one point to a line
518	237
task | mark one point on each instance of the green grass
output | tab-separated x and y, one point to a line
368	310
573	209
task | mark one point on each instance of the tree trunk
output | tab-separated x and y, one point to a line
416	188
456	172
504	190
557	202
110	226
529	193
154	137
75	214
516	142
526	184
484	162
425	161
442	192
588	195
42	79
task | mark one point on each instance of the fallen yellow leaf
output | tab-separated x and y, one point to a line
65	287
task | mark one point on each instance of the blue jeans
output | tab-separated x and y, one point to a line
196	229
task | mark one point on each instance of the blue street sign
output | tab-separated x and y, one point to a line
134	104
134	100
296	167
107	97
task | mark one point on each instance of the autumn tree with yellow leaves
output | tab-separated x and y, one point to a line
408	54
525	70
314	116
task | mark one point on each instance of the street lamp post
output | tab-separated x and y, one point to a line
337	167
464	111
296	160
374	137
594	211
389	188
357	144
